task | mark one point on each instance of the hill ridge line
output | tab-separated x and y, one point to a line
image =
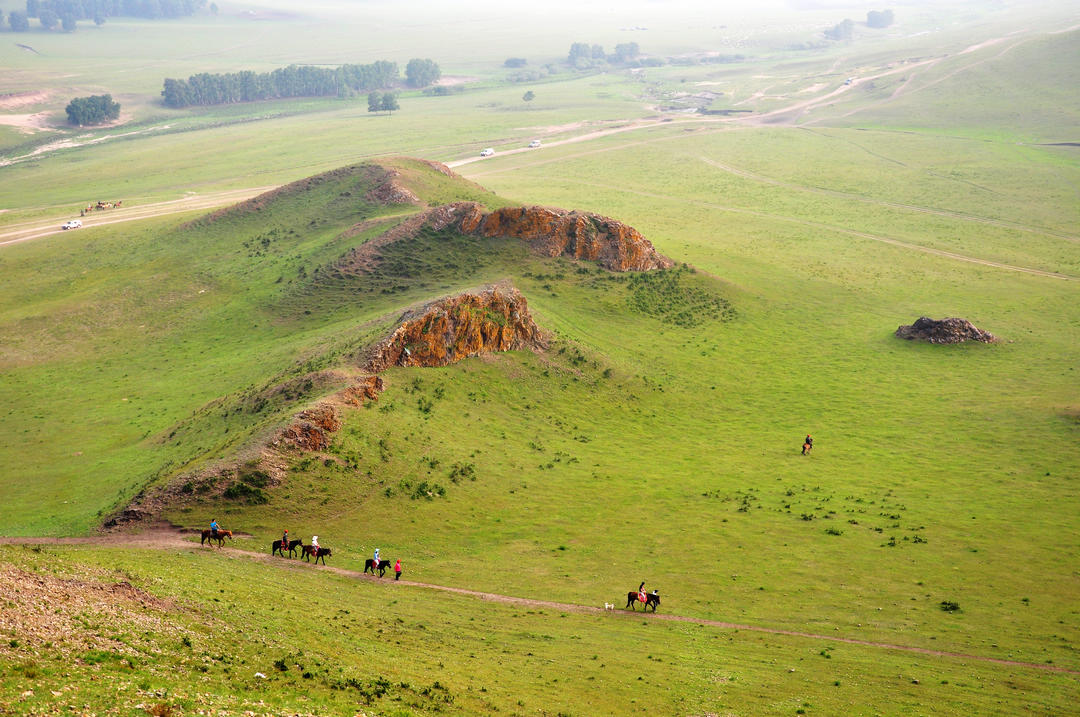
171	539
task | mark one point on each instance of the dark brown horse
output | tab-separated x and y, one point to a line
652	598
208	535
306	552
806	448
382	567
278	547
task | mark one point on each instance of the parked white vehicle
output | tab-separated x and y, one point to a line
534	144
487	152
73	224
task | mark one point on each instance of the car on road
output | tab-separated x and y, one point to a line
73	224
534	144
487	152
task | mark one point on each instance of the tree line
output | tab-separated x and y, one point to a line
291	81
67	13
582	55
845	29
95	109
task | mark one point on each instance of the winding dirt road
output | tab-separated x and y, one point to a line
171	539
25	231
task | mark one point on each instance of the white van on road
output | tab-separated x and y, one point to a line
487	152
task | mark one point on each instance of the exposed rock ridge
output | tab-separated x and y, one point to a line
946	331
495	318
557	232
390	190
311	429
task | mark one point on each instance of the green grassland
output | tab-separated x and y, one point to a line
327	644
656	439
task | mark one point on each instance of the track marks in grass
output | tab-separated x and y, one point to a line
744	174
831	228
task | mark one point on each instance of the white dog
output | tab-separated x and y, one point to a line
609	606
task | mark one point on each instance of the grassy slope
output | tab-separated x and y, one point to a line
160	320
1026	79
972	447
397	650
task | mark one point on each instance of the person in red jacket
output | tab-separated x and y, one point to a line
397	569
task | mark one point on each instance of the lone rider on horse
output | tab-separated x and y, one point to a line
285	540
214	528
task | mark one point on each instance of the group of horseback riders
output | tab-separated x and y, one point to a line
320	552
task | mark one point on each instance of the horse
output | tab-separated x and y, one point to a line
650	599
277	547
306	552
807	447
382	567
208	535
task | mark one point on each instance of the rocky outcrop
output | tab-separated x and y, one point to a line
443	332
389	189
310	431
367	388
557	232
945	331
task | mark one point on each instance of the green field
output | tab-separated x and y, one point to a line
656	439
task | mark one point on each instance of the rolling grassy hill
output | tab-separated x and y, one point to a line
656	438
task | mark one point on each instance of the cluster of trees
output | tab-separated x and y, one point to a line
421	73
879	18
444	90
95	109
582	55
291	81
67	13
382	102
841	30
845	29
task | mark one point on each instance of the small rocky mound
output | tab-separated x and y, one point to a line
557	232
310	431
443	332
945	331
391	190
367	388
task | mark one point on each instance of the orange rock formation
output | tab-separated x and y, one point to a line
557	232
443	332
311	430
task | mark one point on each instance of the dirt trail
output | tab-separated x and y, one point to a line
165	538
597	134
25	231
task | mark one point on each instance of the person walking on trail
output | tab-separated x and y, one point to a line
397	569
213	527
